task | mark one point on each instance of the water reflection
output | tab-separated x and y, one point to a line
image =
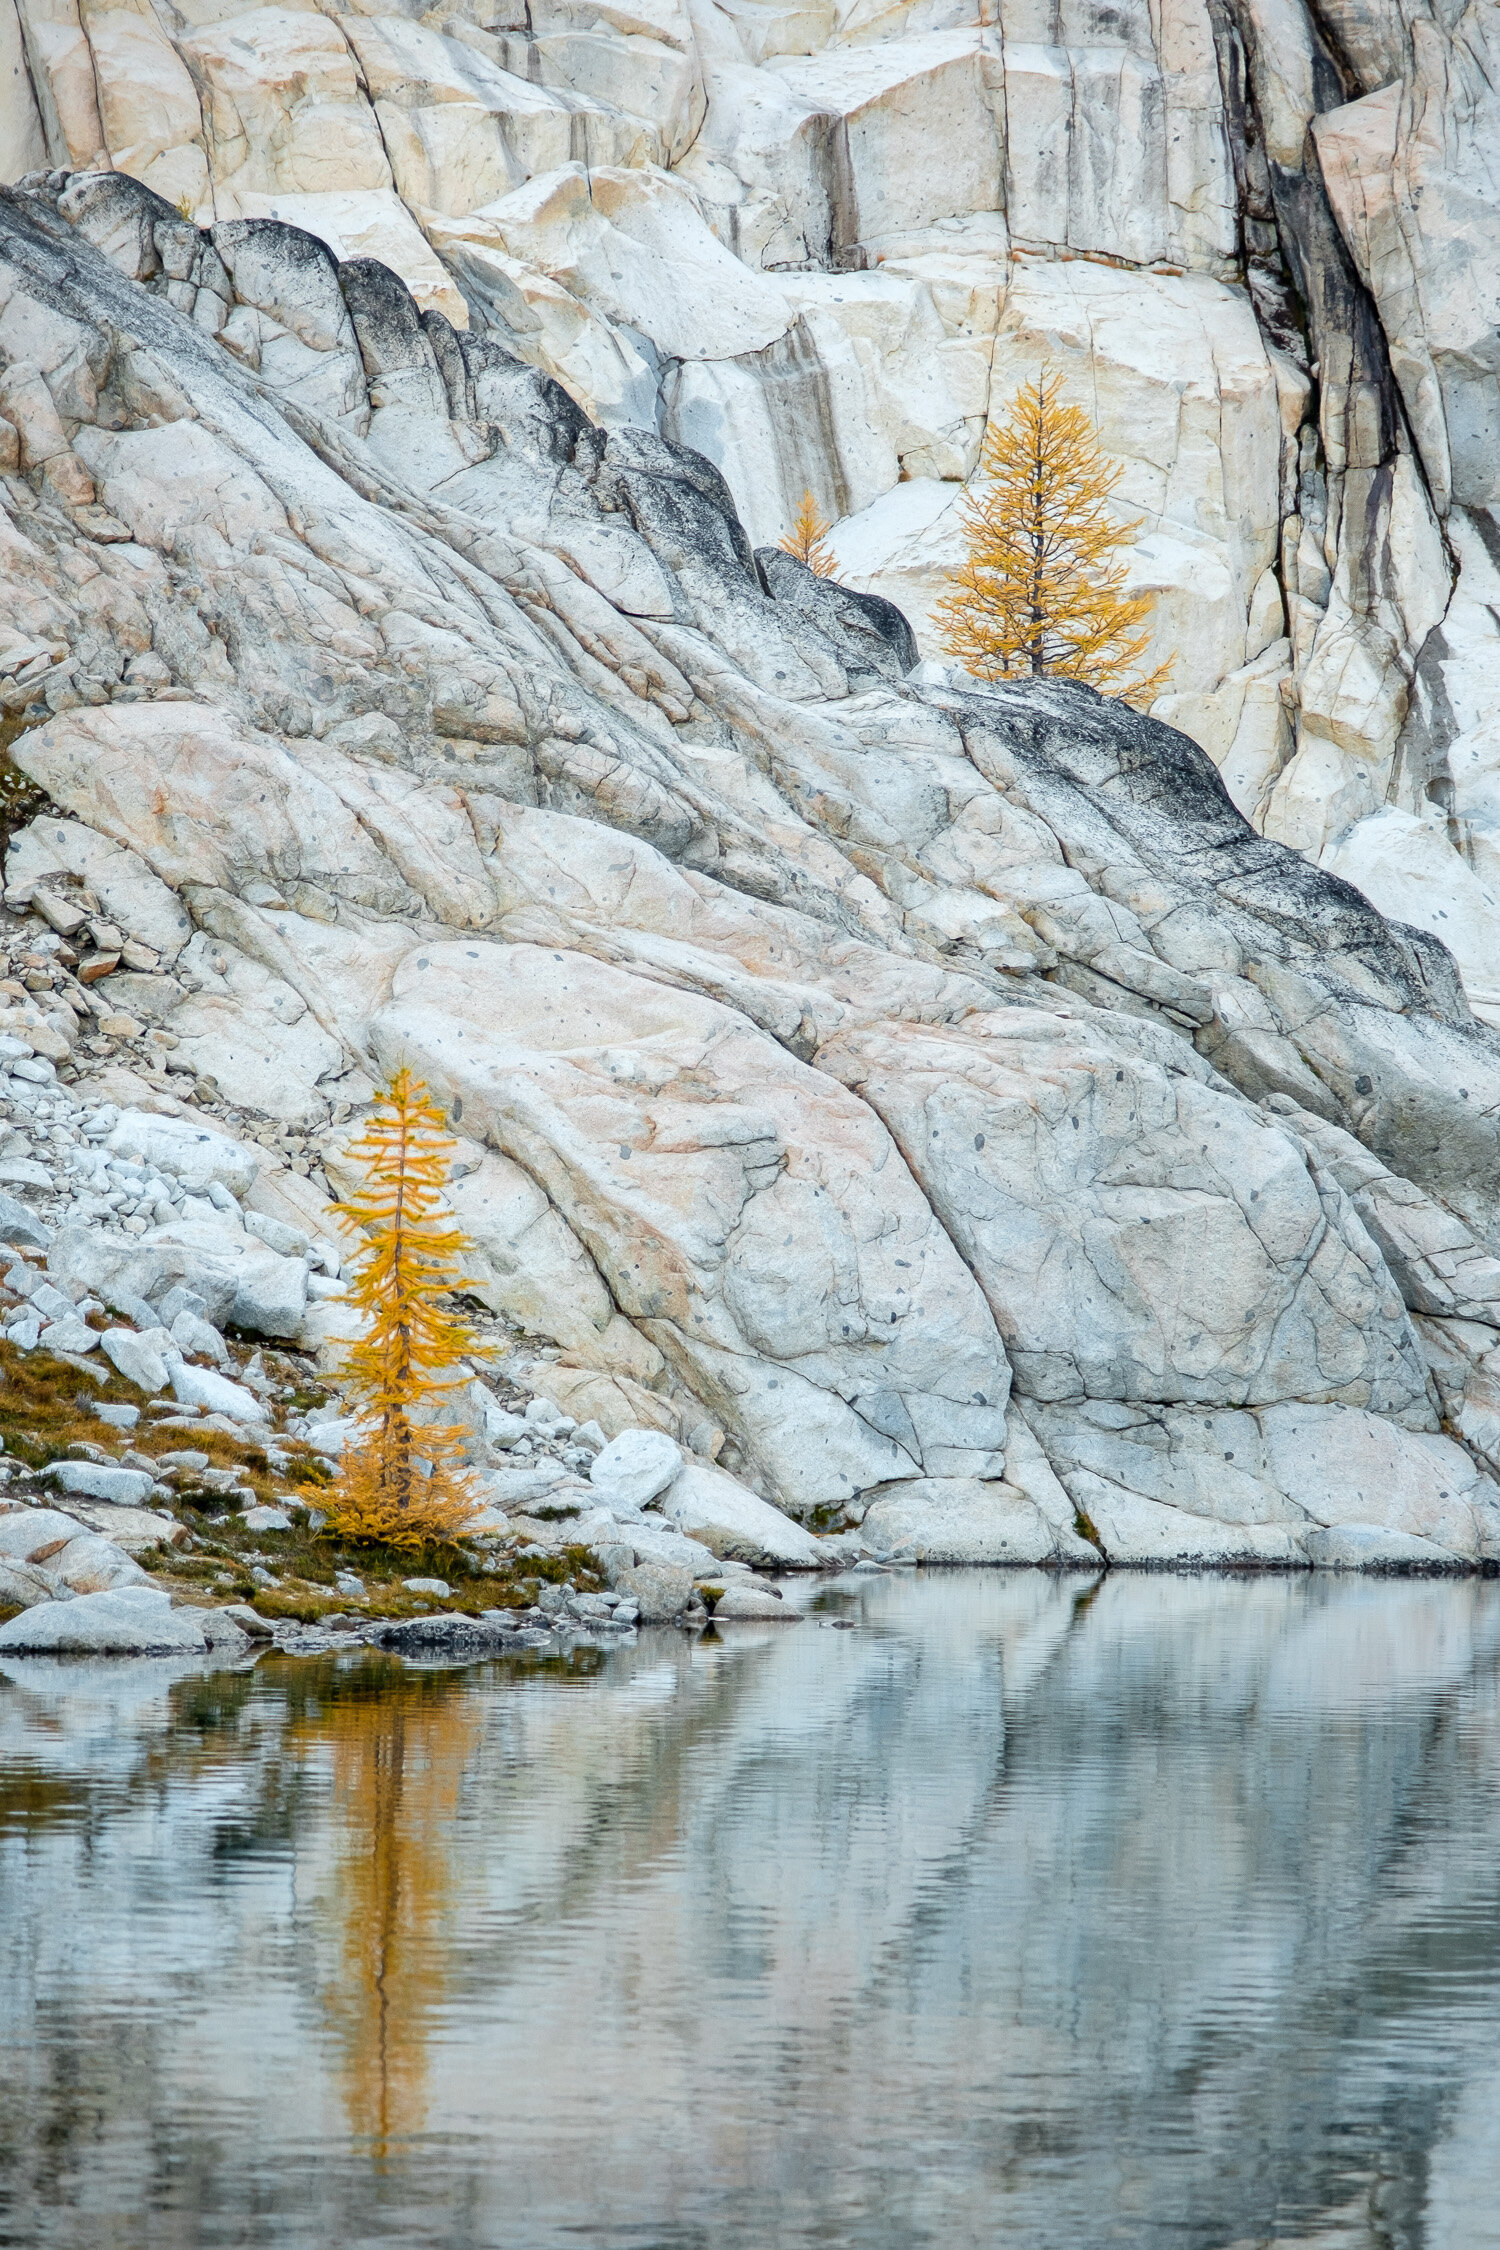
395	1751
1159	1912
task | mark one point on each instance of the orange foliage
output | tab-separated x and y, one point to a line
1041	593
806	539
398	1759
401	1482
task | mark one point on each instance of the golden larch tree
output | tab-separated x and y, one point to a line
1042	593
807	539
400	1480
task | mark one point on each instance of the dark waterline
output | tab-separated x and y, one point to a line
1160	1913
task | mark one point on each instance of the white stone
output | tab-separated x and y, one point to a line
136	1530
735	1522
961	1520
90	1564
1368	1546
97	1480
22	1585
754	1605
635	1467
202	1386
140	1358
35	1534
129	1621
185	1150
266	1519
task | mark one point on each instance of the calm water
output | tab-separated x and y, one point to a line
1160	1913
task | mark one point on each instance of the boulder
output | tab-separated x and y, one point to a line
143	1359
660	1590
266	1518
635	1467
129	1621
203	1386
247	1620
241	1283
99	1480
136	1530
34	1534
754	1604
24	1584
1370	1546
735	1522
651	1540
223	1634
20	1225
451	1635
964	1520
90	1564
70	1335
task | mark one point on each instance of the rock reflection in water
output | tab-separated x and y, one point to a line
1154	1912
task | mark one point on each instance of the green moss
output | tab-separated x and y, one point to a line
1083	1524
307	1609
310	1469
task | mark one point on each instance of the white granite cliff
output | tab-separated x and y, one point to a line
946	1095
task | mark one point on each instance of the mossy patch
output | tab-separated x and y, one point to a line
45	1406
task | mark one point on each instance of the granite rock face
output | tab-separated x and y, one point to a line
821	245
841	1048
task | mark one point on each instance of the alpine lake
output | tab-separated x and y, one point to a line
1158	1912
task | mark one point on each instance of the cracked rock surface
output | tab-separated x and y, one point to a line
936	1107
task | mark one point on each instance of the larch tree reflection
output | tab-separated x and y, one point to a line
397	1767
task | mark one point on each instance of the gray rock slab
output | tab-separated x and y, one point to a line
139	1357
32	1534
20	1224
90	1564
961	1520
636	1466
735	1522
24	1584
660	1591
216	1394
101	1480
1370	1546
132	1621
755	1604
